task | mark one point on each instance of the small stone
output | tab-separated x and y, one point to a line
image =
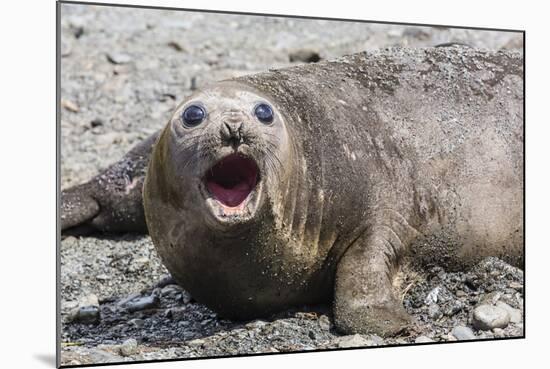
423	339
69	105
176	46
76	25
129	298
110	138
462	333
138	323
304	56
311	334
196	342
377	339
170	290
257	324
102	277
97	122
119	58
453	308
102	356
69	241
434	312
460	293
184	298
515	314
516	286
87	311
165	281
176	313
432	296
490	298
355	340
487	317
324	322
128	347
449	337
142	303
498	332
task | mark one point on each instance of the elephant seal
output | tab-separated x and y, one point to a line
312	183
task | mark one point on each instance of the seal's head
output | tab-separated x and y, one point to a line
222	148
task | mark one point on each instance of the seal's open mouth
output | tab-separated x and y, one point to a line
232	179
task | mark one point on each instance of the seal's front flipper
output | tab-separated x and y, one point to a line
111	201
364	299
77	207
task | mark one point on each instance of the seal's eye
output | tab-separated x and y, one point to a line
264	113
193	115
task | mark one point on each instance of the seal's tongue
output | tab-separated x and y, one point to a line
232	179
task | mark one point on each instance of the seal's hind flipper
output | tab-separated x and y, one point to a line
111	201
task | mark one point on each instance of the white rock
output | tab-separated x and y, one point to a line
462	333
515	314
128	347
487	317
423	339
355	340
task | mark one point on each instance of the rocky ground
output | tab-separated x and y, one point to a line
122	73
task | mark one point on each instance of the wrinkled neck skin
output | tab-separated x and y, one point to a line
241	261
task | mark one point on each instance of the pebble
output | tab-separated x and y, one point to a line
142	303
257	324
431	298
110	138
324	322
515	314
453	308
69	241
196	342
461	293
138	323
129	298
176	46
304	56
423	339
170	290
377	340
462	333
355	340
434	312
487	317
128	347
97	122
490	298
498	332
101	356
87	311
119	58
166	280
516	286
69	105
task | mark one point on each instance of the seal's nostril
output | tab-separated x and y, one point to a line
232	132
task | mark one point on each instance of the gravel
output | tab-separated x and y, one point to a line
123	72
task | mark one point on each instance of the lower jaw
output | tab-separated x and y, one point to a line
240	214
